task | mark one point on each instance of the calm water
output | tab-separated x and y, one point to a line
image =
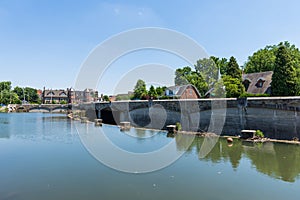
42	157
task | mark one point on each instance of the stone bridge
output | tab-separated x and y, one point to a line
43	107
277	117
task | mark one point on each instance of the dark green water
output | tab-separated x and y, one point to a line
42	157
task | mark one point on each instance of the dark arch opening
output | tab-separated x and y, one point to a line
109	116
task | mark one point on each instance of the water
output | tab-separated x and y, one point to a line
42	157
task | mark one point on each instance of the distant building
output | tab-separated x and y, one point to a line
87	95
183	92
258	83
68	96
55	96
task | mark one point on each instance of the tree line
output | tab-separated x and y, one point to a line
223	77
283	59
18	94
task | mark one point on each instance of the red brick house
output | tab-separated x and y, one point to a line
183	92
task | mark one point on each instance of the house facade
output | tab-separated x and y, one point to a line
60	96
258	83
182	92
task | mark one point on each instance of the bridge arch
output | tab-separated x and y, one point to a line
39	108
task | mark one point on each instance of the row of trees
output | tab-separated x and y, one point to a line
207	74
141	92
283	59
16	95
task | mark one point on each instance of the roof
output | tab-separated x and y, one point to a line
253	78
179	89
55	93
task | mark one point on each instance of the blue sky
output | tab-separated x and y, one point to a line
44	43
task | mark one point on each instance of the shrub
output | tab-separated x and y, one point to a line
259	133
178	126
254	95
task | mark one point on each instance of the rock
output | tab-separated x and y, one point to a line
229	140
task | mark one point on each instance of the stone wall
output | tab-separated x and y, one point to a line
277	117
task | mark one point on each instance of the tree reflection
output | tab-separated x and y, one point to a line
280	161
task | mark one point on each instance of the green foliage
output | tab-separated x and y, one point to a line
63	102
264	59
5	85
261	61
9	97
178	126
233	69
105	98
140	91
233	86
187	76
30	94
254	95
220	63
259	133
160	91
152	92
284	80
6	95
207	69
122	97
181	75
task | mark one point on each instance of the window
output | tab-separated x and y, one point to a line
259	83
246	84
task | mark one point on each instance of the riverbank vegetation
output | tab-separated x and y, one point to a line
283	59
223	77
17	95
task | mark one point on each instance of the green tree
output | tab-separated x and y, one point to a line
140	91
160	91
5	85
208	69
181	75
186	76
262	60
9	97
152	92
233	87
284	80
221	63
105	98
30	94
233	69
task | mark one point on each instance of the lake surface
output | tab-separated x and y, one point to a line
42	157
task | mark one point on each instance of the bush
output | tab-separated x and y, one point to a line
254	95
259	133
178	126
63	102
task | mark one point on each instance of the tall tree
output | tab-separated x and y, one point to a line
181	75
284	80
221	63
261	61
152	92
187	76
140	90
5	85
233	86
30	94
233	69
160	91
264	59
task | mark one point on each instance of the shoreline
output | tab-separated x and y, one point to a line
206	134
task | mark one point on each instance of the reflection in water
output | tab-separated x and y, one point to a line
42	157
280	161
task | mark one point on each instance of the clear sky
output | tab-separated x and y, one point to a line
44	43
